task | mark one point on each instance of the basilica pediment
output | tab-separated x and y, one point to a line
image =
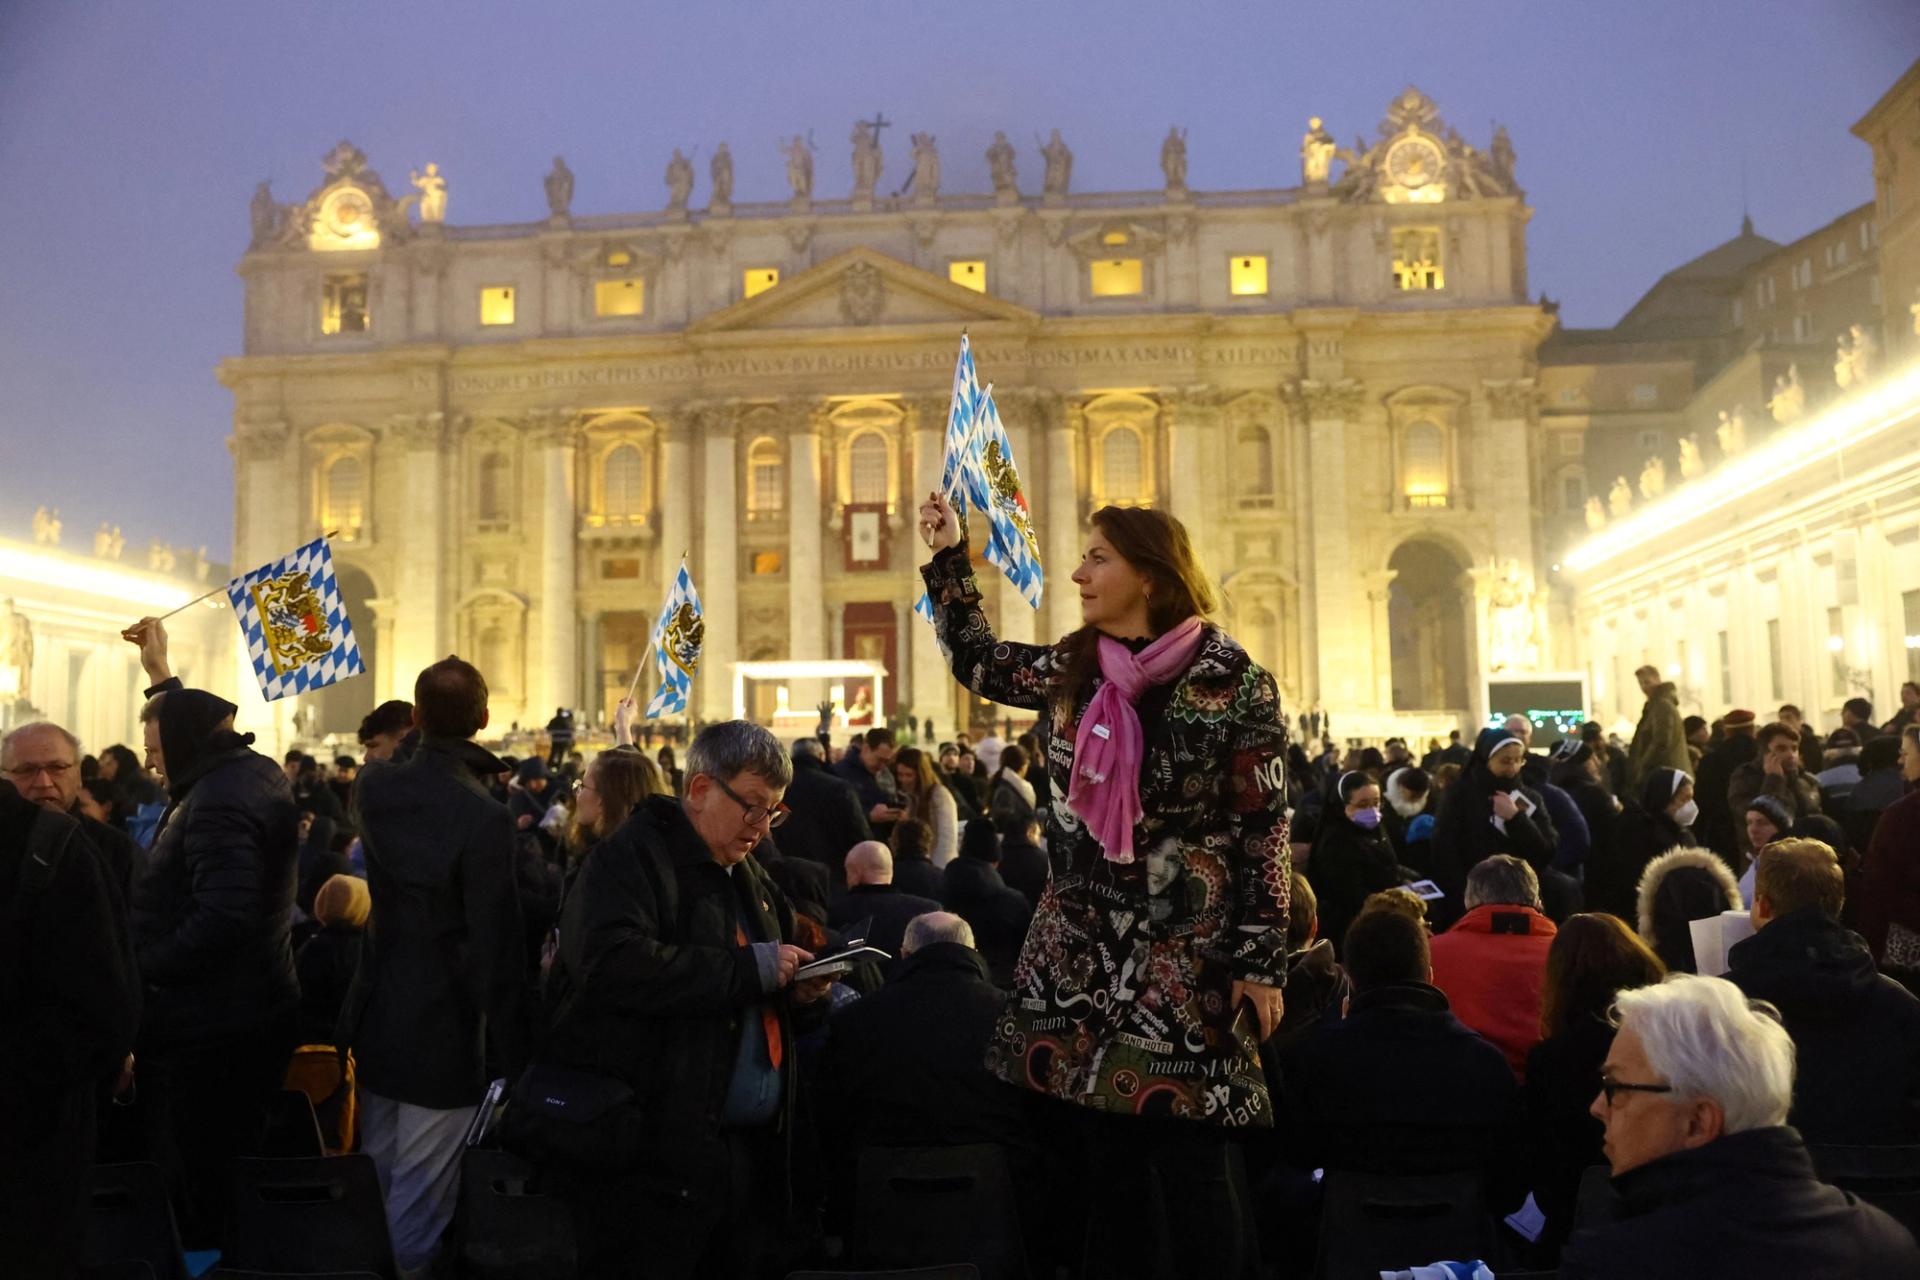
861	287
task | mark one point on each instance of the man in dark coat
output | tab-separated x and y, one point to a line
210	921
1347	1106
867	766
976	893
68	1001
1023	862
675	977
436	1008
1710	1180
1856	1033
871	894
1717	826
827	818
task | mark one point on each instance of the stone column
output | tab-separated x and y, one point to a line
1511	407
416	637
1338	615
675	487
1195	486
930	691
556	682
806	571
719	566
1061	521
1379	599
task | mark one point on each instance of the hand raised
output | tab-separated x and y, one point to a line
939	526
150	634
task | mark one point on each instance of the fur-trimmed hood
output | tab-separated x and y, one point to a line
1680	886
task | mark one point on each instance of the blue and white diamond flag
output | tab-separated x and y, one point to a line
676	645
295	623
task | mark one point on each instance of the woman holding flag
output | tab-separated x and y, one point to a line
1154	965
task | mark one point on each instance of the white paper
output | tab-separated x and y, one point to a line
1735	927
1709	956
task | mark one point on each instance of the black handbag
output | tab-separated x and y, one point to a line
557	1115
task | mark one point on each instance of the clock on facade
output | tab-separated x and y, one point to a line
1414	163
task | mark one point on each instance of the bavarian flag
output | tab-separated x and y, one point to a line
676	645
295	623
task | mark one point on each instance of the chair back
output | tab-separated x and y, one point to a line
504	1226
319	1214
129	1220
933	1206
1372	1222
292	1130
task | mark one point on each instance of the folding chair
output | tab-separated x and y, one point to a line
504	1227
1371	1222
292	1130
933	1206
320	1214
130	1220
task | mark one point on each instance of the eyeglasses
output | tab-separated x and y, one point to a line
1610	1086
26	772
755	814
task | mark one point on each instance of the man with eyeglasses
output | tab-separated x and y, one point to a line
42	760
676	976
1711	1181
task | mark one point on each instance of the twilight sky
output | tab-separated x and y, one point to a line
132	133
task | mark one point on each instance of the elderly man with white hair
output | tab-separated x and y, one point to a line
1694	1095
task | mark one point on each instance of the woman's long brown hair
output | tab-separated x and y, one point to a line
1156	545
624	778
920	800
1593	958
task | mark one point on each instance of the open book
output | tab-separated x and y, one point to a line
849	958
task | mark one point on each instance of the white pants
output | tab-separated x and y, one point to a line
417	1153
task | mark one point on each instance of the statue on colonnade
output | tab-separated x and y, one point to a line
433	193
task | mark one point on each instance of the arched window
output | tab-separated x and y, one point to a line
766	481
493	480
624	480
1120	465
867	462
493	657
346	495
1253	465
1423	466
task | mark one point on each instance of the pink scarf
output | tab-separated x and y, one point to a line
1107	747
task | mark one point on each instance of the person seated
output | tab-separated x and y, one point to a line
1593	958
1317	987
912	845
1840	770
1880	787
1493	960
976	892
1348	1104
1856	1033
1024	864
872	894
326	962
1711	1181
1677	888
1409	795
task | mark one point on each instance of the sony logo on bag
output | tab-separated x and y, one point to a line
555	1102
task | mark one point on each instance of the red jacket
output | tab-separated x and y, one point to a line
1491	964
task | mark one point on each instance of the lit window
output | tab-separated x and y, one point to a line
624	475
1423	465
1247	275
345	503
1416	258
968	273
766	481
1115	237
496	304
1837	646
619	258
1776	661
766	563
758	280
867	462
1253	450
343	304
493	487
1120	466
1118	277
626	297
624	567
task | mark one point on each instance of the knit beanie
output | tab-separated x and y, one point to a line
343	900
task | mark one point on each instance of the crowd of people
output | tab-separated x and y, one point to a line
1180	975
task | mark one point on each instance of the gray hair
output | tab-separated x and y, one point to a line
935	926
6	743
733	747
810	748
1707	1039
1502	880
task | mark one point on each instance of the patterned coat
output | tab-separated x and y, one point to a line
1121	992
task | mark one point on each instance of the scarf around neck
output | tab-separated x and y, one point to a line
1108	745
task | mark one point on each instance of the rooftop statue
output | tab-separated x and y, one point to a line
720	178
1317	148
1059	158
867	159
799	153
559	185
679	181
433	193
1173	159
1000	163
925	179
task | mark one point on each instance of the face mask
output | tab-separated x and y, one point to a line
1368	818
1686	813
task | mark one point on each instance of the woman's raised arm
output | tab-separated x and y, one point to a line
1015	675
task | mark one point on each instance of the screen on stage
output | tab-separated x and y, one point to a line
1556	705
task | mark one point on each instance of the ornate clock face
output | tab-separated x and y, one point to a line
1414	163
348	213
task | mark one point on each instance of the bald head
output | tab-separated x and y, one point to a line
935	926
869	862
42	760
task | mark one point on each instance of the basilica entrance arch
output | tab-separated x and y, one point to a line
1429	621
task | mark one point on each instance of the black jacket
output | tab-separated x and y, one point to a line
1024	867
920	877
905	1066
1563	1138
1747	1204
441	985
212	912
891	910
1464	834
1640	836
1718	826
826	817
1856	1033
1593	802
652	987
1348	862
1349	1104
999	915
325	963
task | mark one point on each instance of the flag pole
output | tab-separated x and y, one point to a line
217	590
